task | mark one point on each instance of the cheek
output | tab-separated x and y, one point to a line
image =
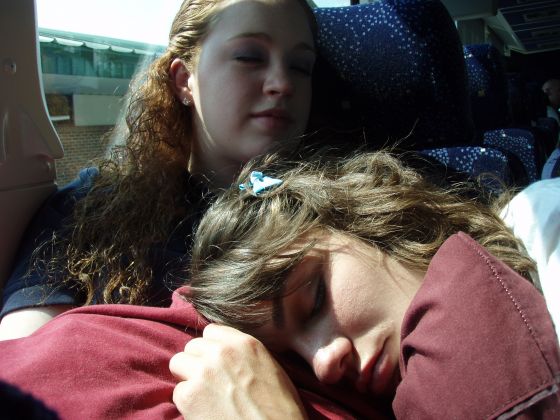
355	303
355	314
219	102
234	95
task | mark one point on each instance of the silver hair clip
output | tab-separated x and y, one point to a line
258	182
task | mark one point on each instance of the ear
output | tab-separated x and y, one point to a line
180	77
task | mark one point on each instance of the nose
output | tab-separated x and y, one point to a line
278	81
331	362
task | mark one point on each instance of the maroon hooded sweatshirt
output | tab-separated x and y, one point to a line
477	342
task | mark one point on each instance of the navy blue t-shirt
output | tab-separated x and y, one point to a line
26	289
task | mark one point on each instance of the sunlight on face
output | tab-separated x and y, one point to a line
252	83
343	313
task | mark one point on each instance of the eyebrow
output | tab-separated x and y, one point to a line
265	37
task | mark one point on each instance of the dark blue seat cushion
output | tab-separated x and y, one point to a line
488	86
519	142
475	161
395	69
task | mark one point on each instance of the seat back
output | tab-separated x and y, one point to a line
519	142
475	161
396	69
488	87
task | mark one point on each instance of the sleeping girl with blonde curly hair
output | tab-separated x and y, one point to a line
413	295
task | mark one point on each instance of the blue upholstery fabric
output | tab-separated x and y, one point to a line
551	168
475	161
545	142
519	142
488	87
399	69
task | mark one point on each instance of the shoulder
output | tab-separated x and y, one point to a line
473	319
75	190
543	195
534	216
23	289
540	189
122	351
61	202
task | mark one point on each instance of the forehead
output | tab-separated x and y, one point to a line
282	20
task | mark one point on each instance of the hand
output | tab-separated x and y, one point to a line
226	374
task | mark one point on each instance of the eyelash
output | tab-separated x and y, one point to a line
302	70
249	58
319	298
255	59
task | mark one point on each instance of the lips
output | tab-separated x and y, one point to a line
377	375
273	118
364	381
382	377
278	113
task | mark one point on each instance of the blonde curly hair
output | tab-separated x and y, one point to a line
244	246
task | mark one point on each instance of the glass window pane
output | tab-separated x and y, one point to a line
87	66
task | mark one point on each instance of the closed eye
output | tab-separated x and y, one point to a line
302	63
303	70
319	299
249	58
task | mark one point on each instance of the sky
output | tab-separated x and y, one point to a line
145	21
135	20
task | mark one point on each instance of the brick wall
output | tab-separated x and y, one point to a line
81	145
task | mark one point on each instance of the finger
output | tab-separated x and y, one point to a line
188	344
200	346
229	337
184	366
182	396
222	333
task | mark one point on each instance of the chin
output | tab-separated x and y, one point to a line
261	149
